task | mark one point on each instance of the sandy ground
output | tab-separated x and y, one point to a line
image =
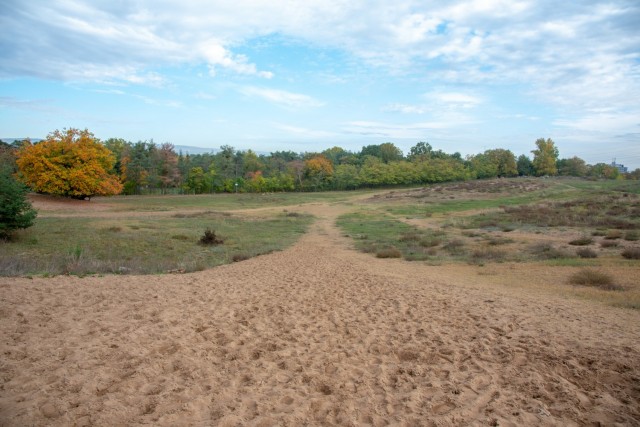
315	335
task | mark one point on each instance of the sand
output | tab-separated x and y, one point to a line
315	335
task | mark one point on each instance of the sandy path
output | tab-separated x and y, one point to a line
314	335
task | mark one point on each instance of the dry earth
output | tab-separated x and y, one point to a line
315	335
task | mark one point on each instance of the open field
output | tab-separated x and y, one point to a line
319	333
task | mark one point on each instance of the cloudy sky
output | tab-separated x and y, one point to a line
308	75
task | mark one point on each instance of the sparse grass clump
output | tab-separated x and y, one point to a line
590	277
632	236
454	247
586	253
391	252
609	244
545	250
240	257
631	253
613	235
481	256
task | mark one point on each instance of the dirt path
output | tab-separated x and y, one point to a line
315	335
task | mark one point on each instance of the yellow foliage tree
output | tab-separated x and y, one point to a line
69	163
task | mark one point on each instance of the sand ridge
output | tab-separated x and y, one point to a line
314	335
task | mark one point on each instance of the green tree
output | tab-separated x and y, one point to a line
346	177
420	151
197	181
574	166
389	152
545	157
16	211
603	170
494	163
525	166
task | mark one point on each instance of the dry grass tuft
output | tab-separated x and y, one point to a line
631	253
599	279
391	252
582	241
586	253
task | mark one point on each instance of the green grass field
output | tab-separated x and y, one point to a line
125	245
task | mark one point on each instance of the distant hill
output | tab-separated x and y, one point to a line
11	140
187	149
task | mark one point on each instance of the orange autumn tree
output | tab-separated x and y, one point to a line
70	163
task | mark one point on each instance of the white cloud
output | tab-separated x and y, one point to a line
281	97
217	55
404	131
299	131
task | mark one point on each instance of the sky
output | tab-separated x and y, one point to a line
465	76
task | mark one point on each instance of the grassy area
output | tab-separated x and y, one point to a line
597	212
223	202
142	246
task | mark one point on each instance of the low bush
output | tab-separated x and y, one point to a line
582	241
613	235
391	252
239	257
454	247
631	253
589	277
609	244
429	242
586	253
209	238
410	237
480	256
632	236
546	250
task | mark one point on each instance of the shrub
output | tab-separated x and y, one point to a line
210	238
391	252
454	246
546	250
608	244
613	234
632	236
582	241
429	242
631	253
410	237
486	255
586	253
240	257
589	277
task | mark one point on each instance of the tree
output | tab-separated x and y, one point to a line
574	166
603	170
494	163
135	167
16	211
525	166
319	170
346	177
545	157
420	151
70	163
197	181
166	161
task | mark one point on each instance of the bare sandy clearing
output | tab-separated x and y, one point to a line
314	335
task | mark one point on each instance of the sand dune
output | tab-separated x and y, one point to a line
315	335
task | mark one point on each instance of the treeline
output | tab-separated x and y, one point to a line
145	167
